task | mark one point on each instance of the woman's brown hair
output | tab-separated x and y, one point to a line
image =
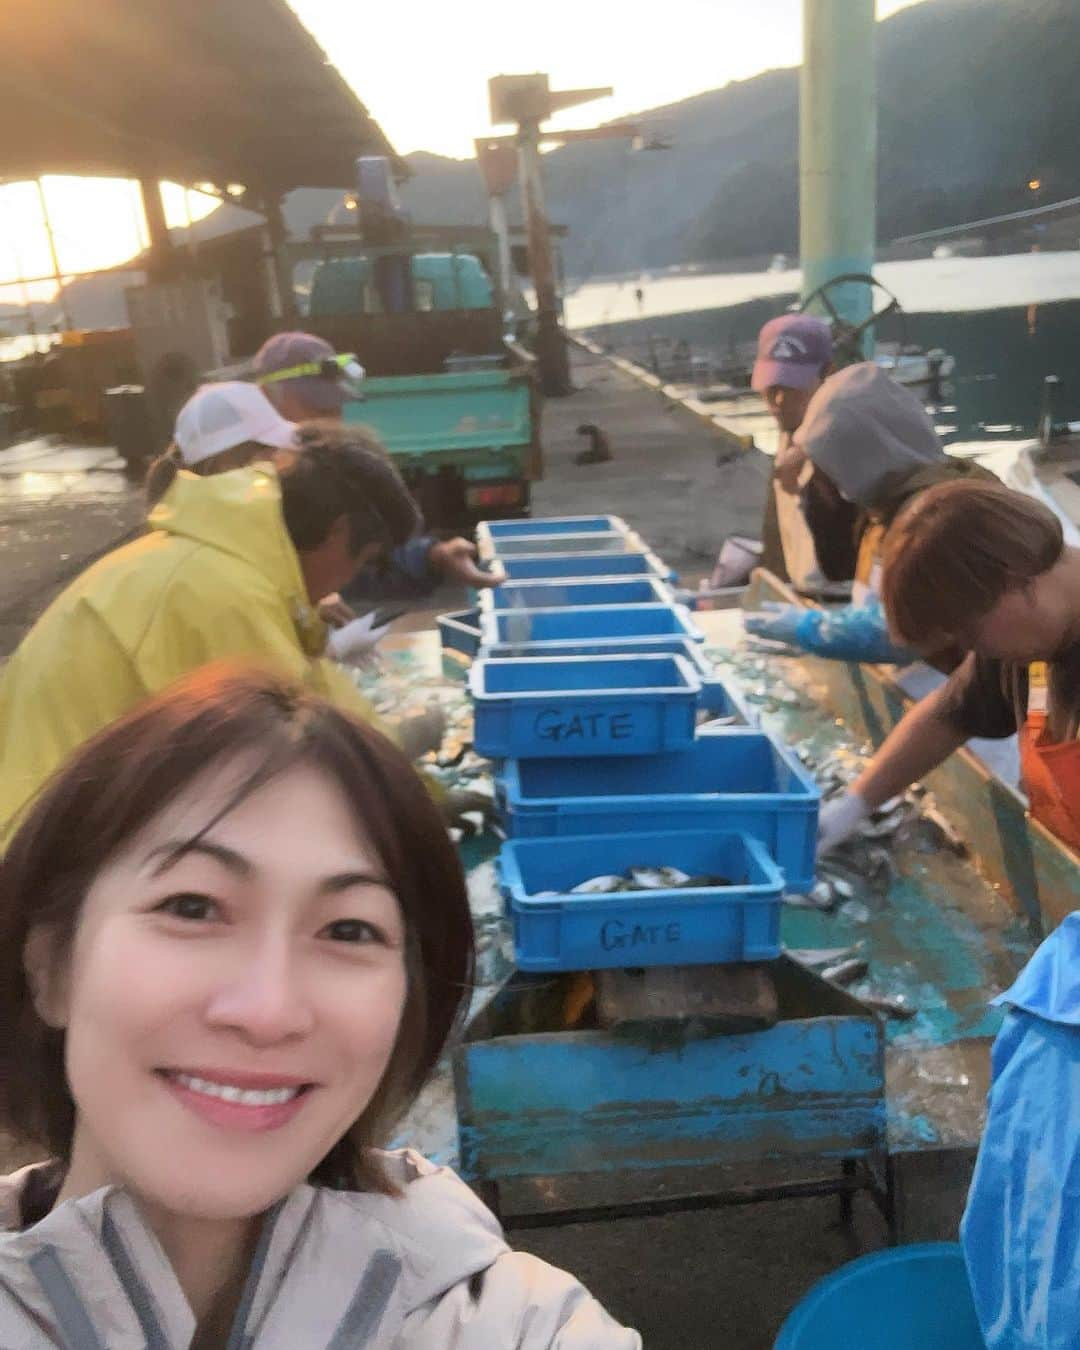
115	784
958	550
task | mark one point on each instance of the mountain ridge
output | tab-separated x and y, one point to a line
973	98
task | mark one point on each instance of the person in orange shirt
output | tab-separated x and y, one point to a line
986	569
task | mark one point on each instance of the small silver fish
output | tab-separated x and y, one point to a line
658	878
879	861
891	1007
942	832
856	911
846	972
819	897
884	828
821	956
599	886
822	893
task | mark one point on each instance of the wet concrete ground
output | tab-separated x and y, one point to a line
61	506
664	477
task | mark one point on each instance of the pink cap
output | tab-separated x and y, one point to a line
793	351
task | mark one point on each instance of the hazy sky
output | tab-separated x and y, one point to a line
422	66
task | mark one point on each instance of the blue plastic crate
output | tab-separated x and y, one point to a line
460	631
719	700
583	705
599	626
539	567
546	525
569	593
461	642
556	534
609	544
560	931
735	779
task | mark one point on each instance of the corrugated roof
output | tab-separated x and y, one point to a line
224	91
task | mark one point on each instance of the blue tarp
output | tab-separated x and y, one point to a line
1021	1231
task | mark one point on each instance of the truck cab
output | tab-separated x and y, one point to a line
451	395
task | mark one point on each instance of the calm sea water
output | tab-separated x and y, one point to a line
1002	355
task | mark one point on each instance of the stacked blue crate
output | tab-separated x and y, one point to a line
576	593
586	688
560	706
735	779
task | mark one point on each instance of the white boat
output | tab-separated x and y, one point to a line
1051	474
915	368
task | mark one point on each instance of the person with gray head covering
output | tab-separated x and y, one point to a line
877	445
868	433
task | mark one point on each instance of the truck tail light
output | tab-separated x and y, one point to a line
497	494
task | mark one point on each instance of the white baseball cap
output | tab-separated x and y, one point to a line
219	417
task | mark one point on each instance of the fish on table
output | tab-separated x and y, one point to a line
646	879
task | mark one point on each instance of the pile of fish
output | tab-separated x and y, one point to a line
645	879
846	966
398	688
758	678
854	880
865	863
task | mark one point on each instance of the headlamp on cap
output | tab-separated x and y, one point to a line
343	370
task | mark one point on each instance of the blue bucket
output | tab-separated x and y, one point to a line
906	1298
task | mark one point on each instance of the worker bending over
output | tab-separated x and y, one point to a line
872	439
304	378
986	569
231	569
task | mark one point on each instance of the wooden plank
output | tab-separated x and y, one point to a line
717	998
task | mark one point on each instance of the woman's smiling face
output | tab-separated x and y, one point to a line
230	1006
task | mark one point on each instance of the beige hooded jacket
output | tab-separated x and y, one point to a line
333	1270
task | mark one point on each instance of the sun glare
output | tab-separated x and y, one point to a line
96	223
99	223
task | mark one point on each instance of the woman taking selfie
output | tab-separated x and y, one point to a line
234	939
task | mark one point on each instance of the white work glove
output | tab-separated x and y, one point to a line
355	643
839	819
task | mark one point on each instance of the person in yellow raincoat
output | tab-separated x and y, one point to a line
230	569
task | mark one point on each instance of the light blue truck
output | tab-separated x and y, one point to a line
452	396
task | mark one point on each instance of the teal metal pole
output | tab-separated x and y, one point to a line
838	151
